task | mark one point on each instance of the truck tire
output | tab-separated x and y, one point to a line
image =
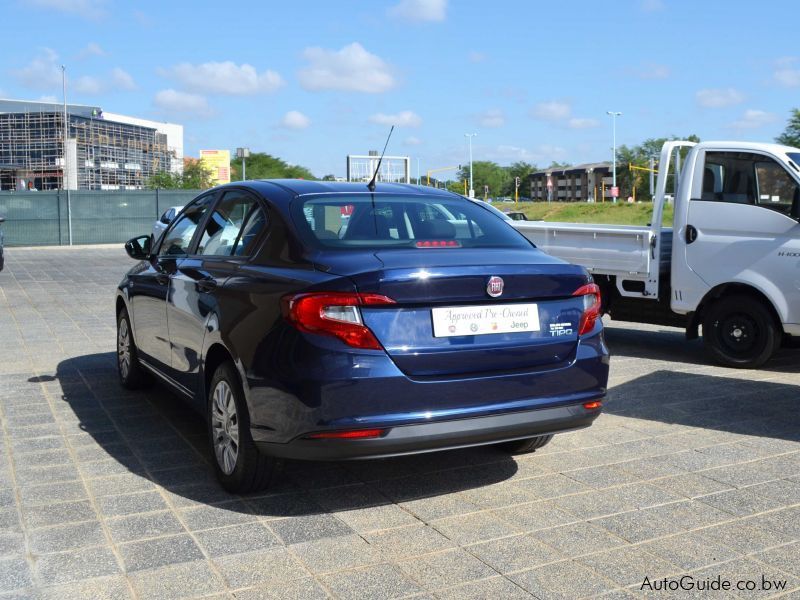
525	446
740	332
239	465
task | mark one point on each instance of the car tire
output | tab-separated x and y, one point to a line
525	446
131	373
238	464
740	332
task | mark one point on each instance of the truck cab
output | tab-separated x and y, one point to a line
730	264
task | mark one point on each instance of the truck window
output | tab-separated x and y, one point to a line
747	178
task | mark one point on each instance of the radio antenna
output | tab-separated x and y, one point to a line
371	184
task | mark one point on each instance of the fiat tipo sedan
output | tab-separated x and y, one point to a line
316	320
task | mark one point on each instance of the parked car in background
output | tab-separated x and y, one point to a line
426	324
516	215
163	222
2	258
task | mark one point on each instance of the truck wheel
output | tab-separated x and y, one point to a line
739	332
131	374
525	446
239	465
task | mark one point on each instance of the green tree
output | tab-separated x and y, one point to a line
791	135
522	170
329	178
486	173
164	180
265	166
196	176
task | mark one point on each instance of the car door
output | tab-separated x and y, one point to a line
227	239
150	286
739	225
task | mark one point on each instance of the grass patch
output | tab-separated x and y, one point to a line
607	213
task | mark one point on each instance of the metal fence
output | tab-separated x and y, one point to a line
83	217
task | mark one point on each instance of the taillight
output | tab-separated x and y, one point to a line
354	434
438	244
591	306
336	314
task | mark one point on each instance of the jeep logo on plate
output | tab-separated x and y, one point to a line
494	287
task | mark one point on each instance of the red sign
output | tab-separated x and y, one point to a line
347	210
615	192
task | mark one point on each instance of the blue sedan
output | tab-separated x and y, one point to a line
316	320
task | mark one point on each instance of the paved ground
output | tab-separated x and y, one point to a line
108	494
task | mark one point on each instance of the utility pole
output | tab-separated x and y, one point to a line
64	168
614	188
244	154
471	187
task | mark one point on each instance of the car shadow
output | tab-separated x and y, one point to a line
156	435
671	345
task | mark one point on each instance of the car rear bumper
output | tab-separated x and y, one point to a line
440	435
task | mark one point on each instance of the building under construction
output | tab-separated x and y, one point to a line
98	151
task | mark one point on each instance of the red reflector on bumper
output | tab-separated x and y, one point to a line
592	405
346	435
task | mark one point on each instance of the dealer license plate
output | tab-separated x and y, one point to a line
481	320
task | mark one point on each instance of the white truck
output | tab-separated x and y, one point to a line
730	263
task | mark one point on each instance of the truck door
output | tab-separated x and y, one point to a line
741	226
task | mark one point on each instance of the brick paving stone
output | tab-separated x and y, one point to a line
690	465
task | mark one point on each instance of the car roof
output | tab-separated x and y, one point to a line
282	191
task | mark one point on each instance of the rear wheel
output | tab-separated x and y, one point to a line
740	332
239	466
131	373
525	446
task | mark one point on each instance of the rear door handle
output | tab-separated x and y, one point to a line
691	234
206	285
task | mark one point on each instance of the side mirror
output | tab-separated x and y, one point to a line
164	219
138	248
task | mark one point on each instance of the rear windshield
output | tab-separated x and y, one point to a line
389	221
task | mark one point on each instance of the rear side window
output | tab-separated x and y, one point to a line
414	221
179	236
234	226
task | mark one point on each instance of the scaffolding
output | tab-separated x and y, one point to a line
110	155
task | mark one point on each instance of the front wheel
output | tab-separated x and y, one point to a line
239	466
525	446
740	332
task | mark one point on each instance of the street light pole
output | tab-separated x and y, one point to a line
614	115
243	153
471	187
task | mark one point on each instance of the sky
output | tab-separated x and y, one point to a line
312	81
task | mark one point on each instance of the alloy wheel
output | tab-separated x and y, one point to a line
225	427
124	348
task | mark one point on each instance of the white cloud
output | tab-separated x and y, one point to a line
652	71
544	153
493	117
753	119
91	49
412	141
476	57
405	118
42	73
122	80
420	10
582	123
224	78
294	119
172	101
85	8
86	84
719	98
651	5
350	69
553	110
786	73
